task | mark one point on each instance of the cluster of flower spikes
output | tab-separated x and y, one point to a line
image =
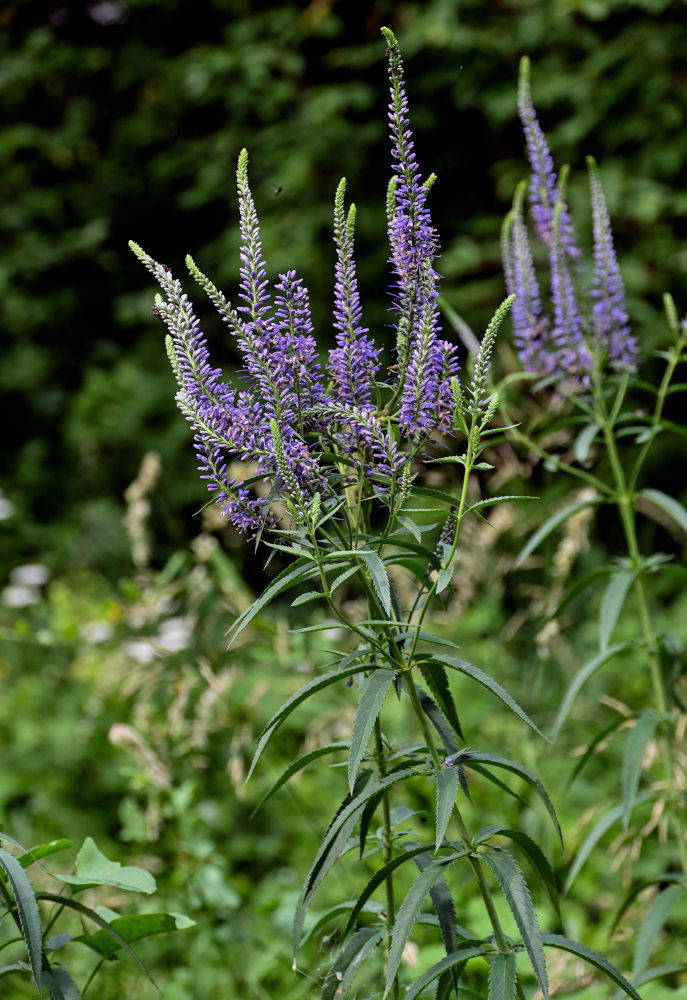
290	413
570	343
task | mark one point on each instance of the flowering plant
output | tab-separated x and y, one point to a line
333	457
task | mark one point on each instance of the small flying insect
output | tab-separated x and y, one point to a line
278	190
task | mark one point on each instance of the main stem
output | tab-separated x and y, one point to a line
624	500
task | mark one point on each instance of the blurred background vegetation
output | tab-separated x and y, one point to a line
123	119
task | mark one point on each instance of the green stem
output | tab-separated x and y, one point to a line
386	845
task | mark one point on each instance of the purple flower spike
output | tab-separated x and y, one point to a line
572	358
610	328
354	362
543	195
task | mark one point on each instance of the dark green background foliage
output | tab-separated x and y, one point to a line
124	120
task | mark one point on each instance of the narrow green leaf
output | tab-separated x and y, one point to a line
60	984
311	595
538	860
371	700
640	736
594	836
335	841
445	911
346	964
581	678
337	911
651	926
378	878
408	912
583	583
640	886
551	524
459	957
380	578
444	578
303	569
93	868
27	909
439	721
591	958
597	739
434	674
296	766
584	442
502	977
669	504
514	888
491	501
612	603
462	667
43	851
312	687
659	972
447	790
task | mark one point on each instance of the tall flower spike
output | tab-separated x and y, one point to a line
543	195
354	362
253	270
572	358
610	327
530	326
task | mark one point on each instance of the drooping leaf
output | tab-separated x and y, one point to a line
639	738
86	911
652	925
439	721
28	912
302	570
372	698
434	673
538	860
581	678
296	766
349	959
312	687
380	578
502	977
60	984
459	957
669	504
463	667
93	868
591	958
594	836
514	888
612	603
640	886
445	911
378	878
551	524
447	790
522	772
409	910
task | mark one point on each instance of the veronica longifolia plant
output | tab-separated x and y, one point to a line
339	446
584	345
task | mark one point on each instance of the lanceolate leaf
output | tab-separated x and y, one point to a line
336	839
612	603
27	909
595	835
447	789
439	721
298	765
652	925
514	888
581	678
378	878
380	578
522	772
134	927
434	674
591	958
348	961
639	738
634	891
371	700
459	957
318	684
490	501
409	910
537	858
669	504
303	569
551	524
60	984
462	667
42	851
442	901
502	977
